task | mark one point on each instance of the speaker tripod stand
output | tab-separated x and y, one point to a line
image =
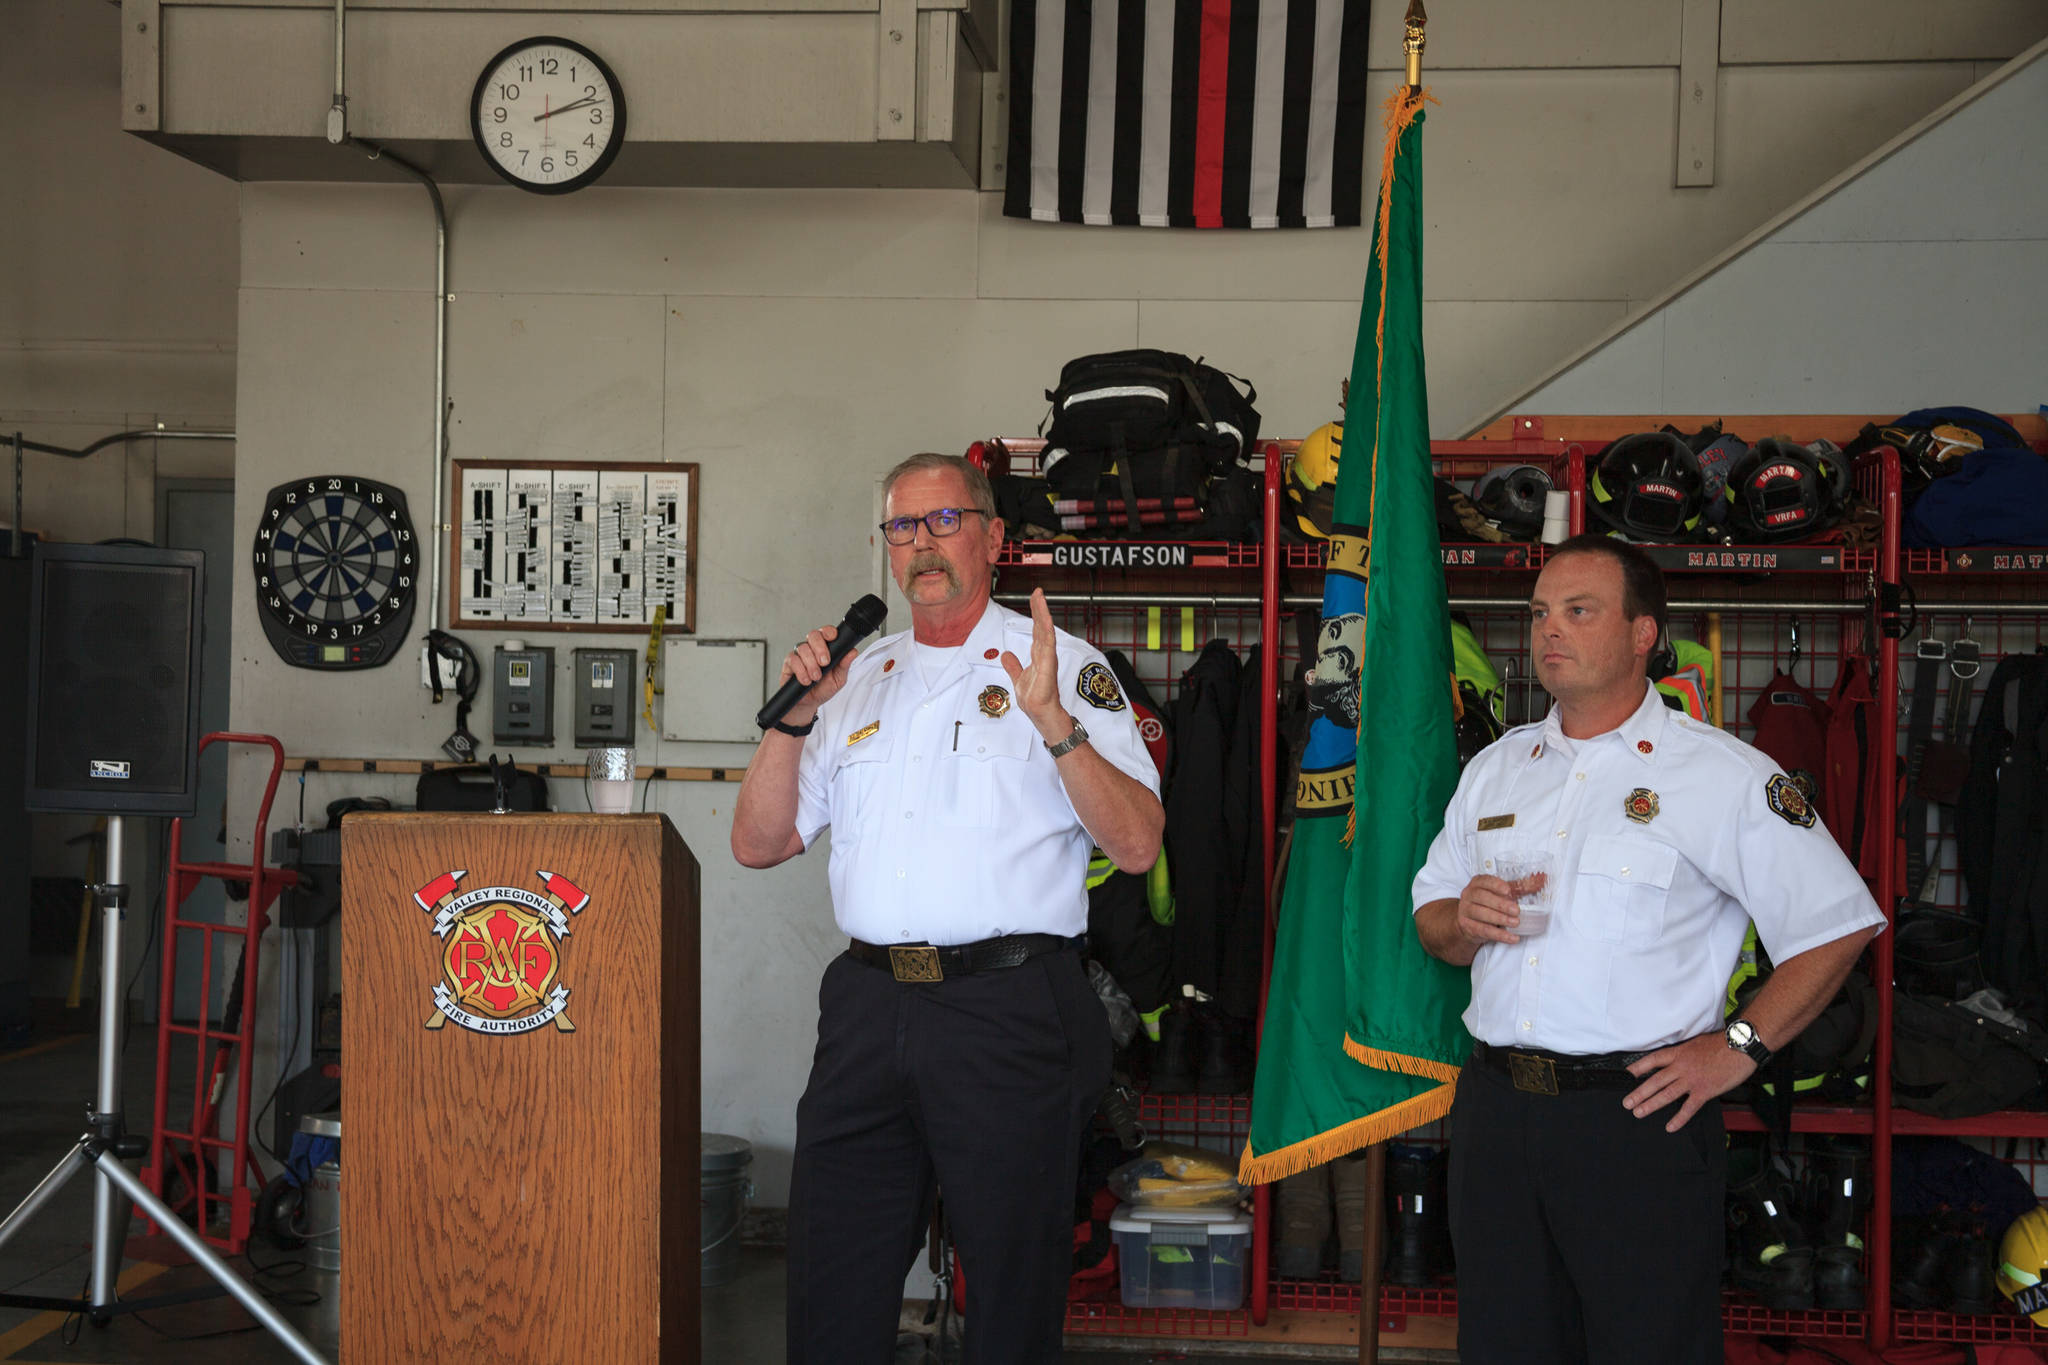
103	1147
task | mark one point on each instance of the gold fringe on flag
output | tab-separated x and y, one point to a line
1382	1060
1427	1107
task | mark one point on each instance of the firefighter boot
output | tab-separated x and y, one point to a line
1225	1052
1772	1258
1304	1224
1347	1177
1972	1288
1922	1250
1838	1178
1415	1198
1173	1056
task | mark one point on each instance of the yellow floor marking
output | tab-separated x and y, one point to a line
42	1324
47	1045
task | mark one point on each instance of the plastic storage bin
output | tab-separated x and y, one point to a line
1182	1258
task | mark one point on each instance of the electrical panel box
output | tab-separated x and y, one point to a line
603	697
523	696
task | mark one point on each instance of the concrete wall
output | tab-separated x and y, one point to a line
117	298
1923	280
795	342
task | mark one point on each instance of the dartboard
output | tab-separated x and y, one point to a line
335	571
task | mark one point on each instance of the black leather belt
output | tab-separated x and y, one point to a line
924	962
1537	1072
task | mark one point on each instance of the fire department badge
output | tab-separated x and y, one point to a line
1640	805
1097	686
1786	799
994	701
501	953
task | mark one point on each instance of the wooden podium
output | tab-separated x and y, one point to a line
520	1173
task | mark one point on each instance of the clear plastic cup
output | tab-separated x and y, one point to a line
1528	874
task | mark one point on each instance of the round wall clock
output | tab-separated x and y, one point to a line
548	115
335	571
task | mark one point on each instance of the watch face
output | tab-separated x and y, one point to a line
1741	1033
548	115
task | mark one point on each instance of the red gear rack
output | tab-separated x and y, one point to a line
179	1159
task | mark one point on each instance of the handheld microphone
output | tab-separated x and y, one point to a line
863	618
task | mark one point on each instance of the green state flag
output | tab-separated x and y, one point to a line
1349	974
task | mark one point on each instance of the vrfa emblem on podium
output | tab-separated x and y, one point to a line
501	953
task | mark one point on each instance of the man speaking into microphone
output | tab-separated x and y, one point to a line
965	767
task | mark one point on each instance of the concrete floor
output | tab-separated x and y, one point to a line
44	1088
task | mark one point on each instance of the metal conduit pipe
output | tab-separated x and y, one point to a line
337	133
146	434
337	113
1235	600
436	529
159	433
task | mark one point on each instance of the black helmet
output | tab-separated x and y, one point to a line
1777	491
1648	487
1836	473
1512	495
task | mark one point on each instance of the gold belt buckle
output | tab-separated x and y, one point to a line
1536	1075
918	964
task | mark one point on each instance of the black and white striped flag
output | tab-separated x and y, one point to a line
1187	113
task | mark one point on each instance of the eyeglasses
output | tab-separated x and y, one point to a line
940	521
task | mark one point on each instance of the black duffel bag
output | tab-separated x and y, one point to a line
482	787
1145	424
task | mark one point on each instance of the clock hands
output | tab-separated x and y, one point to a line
583	103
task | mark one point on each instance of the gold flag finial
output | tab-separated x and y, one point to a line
1416	21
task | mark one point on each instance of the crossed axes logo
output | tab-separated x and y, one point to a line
501	952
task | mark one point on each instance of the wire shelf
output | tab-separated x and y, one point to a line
2003	1325
1739	1313
1095	1318
1978	559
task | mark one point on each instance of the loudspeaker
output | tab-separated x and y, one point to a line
113	679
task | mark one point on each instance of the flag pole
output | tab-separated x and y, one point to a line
1415	24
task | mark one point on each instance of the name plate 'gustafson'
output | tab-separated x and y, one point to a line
502	952
1067	555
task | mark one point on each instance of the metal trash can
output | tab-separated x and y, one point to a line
321	1209
726	1192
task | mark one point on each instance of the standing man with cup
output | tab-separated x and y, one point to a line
1587	1149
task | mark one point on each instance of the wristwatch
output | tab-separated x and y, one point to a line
1742	1037
1073	741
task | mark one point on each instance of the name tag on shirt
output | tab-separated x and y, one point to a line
1496	822
858	735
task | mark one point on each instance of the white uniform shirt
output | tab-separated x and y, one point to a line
949	821
1647	914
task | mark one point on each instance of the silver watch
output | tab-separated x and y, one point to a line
1073	741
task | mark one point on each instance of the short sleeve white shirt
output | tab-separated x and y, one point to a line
949	820
1668	836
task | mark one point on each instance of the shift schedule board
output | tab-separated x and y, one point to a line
574	545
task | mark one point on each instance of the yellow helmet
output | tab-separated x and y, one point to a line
1312	481
2023	1264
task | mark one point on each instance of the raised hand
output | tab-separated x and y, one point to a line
1038	686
